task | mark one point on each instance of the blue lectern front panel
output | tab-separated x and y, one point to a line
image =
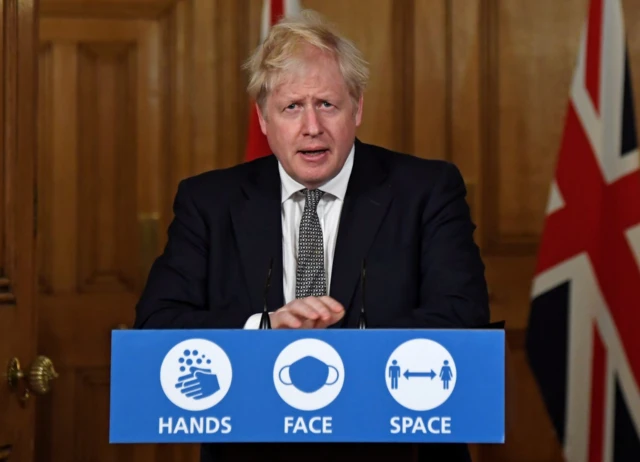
300	386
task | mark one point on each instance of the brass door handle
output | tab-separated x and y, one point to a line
37	379
41	374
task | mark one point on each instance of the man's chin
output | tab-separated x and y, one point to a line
313	181
315	176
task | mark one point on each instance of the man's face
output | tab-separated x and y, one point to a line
310	120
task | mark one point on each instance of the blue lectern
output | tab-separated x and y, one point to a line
333	385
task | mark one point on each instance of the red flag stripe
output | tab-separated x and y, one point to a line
277	10
594	52
257	144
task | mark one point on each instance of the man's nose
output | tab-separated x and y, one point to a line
312	123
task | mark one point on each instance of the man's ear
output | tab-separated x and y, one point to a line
261	119
359	110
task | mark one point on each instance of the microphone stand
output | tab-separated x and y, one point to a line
362	322
265	320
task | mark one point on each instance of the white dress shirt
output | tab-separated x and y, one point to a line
329	208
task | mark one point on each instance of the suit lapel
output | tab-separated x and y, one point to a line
366	203
258	228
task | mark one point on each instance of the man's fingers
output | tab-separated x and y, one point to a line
335	317
308	313
283	319
333	304
320	307
326	307
333	311
303	309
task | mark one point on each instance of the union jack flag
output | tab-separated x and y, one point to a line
583	338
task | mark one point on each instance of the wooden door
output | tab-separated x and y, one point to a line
134	96
17	244
100	133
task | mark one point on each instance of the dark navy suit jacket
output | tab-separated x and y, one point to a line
406	216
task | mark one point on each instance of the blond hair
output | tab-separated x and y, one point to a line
285	43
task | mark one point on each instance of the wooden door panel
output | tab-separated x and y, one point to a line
18	43
100	142
87	170
77	327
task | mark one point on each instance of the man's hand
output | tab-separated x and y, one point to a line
308	313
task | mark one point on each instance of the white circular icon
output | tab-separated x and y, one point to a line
420	374
196	374
308	374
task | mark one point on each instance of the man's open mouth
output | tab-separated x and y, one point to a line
313	152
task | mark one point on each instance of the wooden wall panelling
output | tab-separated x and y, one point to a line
135	9
206	43
151	100
430	56
402	39
178	125
233	48
464	52
62	178
219	45
204	96
531	50
45	162
375	31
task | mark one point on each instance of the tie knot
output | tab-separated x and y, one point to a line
312	196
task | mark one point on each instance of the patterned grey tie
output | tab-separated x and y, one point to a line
310	277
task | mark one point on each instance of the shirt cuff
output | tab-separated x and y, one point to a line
254	321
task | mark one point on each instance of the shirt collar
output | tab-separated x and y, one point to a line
336	186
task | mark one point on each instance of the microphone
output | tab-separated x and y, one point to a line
265	320
362	322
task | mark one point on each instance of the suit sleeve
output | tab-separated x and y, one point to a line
175	295
453	289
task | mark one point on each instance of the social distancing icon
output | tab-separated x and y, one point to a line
420	374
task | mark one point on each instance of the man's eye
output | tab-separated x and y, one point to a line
327	104
292	106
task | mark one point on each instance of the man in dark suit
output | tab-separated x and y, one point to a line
320	206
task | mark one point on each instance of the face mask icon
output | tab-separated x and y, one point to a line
308	374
